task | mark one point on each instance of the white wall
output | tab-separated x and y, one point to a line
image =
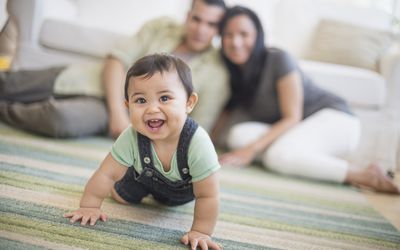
126	16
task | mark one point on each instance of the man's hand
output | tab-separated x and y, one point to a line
86	216
117	124
197	239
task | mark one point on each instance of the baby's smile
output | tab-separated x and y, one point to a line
155	124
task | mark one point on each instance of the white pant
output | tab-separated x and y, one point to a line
314	148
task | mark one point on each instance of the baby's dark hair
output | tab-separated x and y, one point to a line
147	66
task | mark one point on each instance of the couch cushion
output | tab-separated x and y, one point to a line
348	44
71	37
295	21
360	87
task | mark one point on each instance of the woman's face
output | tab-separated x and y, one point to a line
238	39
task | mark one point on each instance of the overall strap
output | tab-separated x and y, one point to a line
186	136
146	157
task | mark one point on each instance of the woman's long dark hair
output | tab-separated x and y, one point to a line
244	81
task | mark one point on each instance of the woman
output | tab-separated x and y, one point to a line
281	117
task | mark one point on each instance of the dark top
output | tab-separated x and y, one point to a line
264	107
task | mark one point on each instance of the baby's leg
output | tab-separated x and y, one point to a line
128	189
117	197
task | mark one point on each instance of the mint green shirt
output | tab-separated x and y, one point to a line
210	78
202	158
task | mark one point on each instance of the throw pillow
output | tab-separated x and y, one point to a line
343	43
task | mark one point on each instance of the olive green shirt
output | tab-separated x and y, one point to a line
210	78
202	158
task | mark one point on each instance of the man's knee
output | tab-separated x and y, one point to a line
73	118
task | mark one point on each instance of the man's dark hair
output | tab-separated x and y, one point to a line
147	66
219	3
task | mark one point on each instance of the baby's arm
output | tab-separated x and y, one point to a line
98	187
205	213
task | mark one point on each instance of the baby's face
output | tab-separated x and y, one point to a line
158	106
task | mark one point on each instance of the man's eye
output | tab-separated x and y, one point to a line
140	100
164	98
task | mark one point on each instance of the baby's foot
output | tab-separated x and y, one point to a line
377	180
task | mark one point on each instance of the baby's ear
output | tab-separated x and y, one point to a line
191	102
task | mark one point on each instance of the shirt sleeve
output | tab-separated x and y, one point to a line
123	149
284	63
203	159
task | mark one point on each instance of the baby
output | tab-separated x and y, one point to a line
164	153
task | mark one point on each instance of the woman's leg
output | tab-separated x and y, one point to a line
242	134
372	177
315	148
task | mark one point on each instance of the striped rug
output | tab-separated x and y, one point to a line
41	178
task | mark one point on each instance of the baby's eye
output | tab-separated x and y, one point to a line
164	98
140	100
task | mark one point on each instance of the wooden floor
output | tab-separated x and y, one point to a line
380	143
387	205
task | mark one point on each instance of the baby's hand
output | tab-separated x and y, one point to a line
86	215
199	239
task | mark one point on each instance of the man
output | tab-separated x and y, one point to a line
68	102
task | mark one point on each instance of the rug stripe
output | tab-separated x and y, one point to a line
64	169
146	235
54	147
143	213
40	178
47	156
20	241
372	229
68	170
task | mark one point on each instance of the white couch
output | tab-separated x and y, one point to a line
54	32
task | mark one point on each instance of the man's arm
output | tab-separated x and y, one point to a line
213	94
113	79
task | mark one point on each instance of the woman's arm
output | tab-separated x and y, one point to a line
206	209
290	95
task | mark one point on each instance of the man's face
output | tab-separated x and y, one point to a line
202	25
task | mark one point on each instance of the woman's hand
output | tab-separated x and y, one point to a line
238	158
197	239
86	215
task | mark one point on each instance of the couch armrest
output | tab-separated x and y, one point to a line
389	67
30	14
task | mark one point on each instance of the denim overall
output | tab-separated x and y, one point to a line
134	186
